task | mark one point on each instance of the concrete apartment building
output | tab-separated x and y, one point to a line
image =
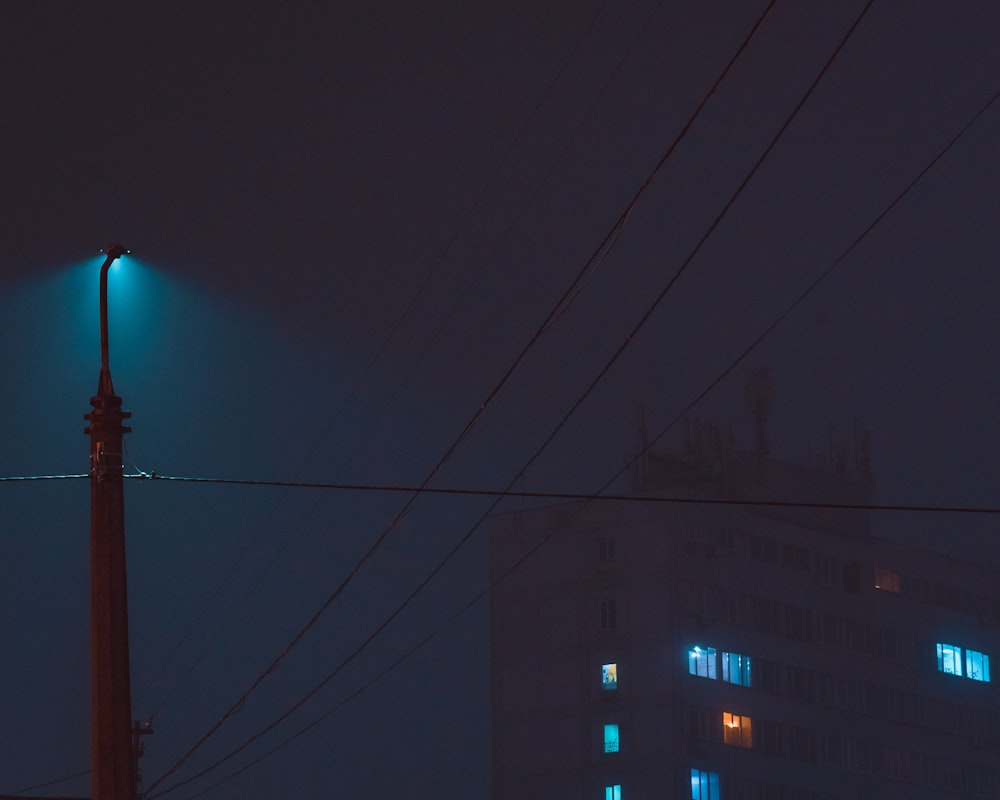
647	650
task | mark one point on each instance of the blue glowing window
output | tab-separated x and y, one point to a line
949	659
977	666
613	792
609	676
701	662
736	668
611	741
704	785
955	660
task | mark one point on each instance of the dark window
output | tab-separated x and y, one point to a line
851	574
767	677
769	738
606	549
609	615
800	683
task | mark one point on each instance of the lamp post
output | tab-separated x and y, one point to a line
112	764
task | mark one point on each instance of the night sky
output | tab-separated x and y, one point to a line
347	221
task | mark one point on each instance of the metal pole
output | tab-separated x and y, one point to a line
112	770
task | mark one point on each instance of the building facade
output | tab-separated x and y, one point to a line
710	651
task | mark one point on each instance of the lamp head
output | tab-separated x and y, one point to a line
113	251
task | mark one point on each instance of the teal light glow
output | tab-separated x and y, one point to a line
611	739
736	668
949	658
613	792
702	662
975	665
704	785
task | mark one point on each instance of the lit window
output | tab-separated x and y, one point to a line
949	659
736	730
609	676
977	666
701	662
610	738
886	580
736	668
613	792
704	785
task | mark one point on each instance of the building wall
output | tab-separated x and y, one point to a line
845	698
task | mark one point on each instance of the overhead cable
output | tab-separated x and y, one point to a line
528	554
573	496
557	309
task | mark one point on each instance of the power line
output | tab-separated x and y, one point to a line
725	372
574	496
809	289
53	782
22	478
589	266
599	495
556	311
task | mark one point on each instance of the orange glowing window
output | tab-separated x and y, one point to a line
736	730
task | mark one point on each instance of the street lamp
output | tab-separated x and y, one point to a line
113	252
113	772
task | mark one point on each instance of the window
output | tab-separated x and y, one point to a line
949	659
605	549
736	668
770	738
704	724
609	615
768	678
613	792
611	741
736	730
704	785
886	580
701	662
975	666
609	676
851	576
800	683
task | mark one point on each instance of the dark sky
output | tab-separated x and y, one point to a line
293	177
